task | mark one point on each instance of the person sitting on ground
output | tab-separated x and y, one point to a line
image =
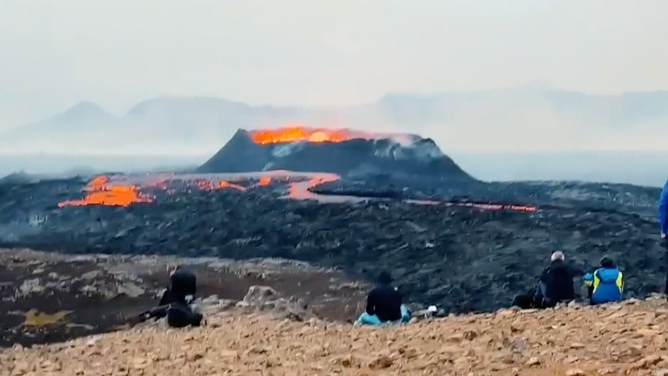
384	304
176	301
607	283
555	285
182	287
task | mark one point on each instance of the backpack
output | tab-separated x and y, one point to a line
180	315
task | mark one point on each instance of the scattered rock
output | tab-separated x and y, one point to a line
381	362
30	286
647	362
533	362
229	354
260	295
94	274
130	289
256	349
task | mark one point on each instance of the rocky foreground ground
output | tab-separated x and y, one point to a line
620	339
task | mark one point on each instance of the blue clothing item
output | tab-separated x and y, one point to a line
663	209
608	285
367	319
588	279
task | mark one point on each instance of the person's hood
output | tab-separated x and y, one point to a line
608	274
183	282
384	278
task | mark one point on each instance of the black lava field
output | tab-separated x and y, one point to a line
459	258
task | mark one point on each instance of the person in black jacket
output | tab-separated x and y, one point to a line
176	301
182	287
384	304
555	285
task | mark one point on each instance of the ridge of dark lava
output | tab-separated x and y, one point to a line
345	152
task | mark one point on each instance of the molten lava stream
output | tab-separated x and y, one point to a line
519	208
112	195
300	190
224	184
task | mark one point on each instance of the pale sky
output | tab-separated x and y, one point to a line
117	53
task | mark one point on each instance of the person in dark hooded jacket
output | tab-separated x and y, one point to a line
182	287
176	301
384	304
554	286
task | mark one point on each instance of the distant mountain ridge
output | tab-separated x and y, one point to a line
202	124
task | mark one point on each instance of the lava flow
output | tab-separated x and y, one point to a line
292	134
512	207
103	193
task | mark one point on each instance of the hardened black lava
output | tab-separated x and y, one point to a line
461	259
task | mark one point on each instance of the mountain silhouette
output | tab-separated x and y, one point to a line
203	124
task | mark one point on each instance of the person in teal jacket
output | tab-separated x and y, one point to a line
605	284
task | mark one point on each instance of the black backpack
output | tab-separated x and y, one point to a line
180	315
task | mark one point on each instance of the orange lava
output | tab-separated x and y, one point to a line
301	190
520	208
208	185
297	133
100	193
224	184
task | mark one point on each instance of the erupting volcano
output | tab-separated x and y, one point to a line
345	152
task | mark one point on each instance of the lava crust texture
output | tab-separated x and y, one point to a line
462	259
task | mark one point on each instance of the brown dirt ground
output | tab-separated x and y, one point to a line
620	339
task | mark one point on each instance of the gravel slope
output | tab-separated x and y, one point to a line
618	339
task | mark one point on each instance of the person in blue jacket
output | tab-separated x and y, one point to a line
663	220
663	211
606	284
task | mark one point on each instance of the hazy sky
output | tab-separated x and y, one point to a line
116	53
